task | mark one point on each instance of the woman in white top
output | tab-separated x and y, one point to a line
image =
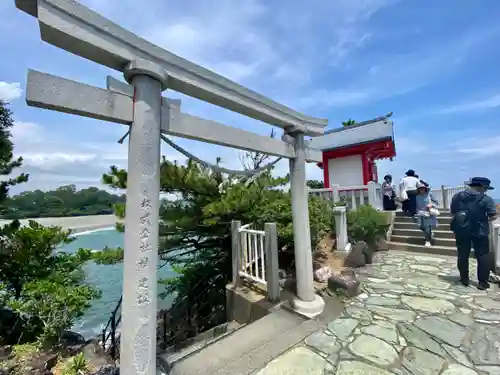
409	184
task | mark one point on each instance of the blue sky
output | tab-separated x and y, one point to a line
434	64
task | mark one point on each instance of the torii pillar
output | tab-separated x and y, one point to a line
141	220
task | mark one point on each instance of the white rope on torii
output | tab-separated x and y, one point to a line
253	173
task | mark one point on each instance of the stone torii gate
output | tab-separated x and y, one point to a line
149	70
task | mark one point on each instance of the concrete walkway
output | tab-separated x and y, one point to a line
413	318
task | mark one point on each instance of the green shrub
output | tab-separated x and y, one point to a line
366	224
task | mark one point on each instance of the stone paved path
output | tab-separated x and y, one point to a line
413	318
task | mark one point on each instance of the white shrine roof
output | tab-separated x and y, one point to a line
353	135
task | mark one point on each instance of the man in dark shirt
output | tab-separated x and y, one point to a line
472	210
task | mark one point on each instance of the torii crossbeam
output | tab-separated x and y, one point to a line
149	70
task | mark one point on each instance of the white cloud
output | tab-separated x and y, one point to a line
10	91
473	105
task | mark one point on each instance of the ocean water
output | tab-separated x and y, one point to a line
107	278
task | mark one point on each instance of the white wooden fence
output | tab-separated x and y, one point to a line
255	256
352	196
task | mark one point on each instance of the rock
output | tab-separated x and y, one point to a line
382	330
457	355
489	316
298	361
442	329
418	338
424	268
356	257
357	368
381	245
95	355
428	282
322	274
482	345
489	370
421	362
455	369
69	338
488	303
381	301
342	328
361	314
346	282
399	315
430	305
461	318
5	352
107	370
324	343
44	361
373	350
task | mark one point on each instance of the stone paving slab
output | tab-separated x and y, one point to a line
412	318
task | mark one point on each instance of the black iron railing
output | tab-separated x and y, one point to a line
109	337
201	308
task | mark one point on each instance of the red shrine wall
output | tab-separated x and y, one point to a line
368	152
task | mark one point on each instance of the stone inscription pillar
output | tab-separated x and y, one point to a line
138	326
307	302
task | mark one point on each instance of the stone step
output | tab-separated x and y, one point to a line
246	349
404	214
419	240
415	232
406	219
174	353
412	225
437	250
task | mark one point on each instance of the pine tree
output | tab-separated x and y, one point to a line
7	161
195	229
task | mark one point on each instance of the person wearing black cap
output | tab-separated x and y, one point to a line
471	210
409	185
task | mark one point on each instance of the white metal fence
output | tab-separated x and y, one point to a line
444	195
352	196
495	244
255	256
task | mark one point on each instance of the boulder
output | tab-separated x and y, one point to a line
345	282
322	274
95	355
5	352
107	370
381	245
356	257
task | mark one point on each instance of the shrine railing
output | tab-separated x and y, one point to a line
200	308
255	256
444	195
109	337
352	196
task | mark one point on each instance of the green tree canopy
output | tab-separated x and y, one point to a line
7	161
63	201
195	229
348	122
41	286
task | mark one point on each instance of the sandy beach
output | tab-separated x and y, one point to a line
76	223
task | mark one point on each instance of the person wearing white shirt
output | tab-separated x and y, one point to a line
409	184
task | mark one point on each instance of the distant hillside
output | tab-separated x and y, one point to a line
64	201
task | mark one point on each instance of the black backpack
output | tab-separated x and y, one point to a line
466	220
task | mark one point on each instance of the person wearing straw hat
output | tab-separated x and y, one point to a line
472	210
426	211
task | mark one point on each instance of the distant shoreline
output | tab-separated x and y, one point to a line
77	224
